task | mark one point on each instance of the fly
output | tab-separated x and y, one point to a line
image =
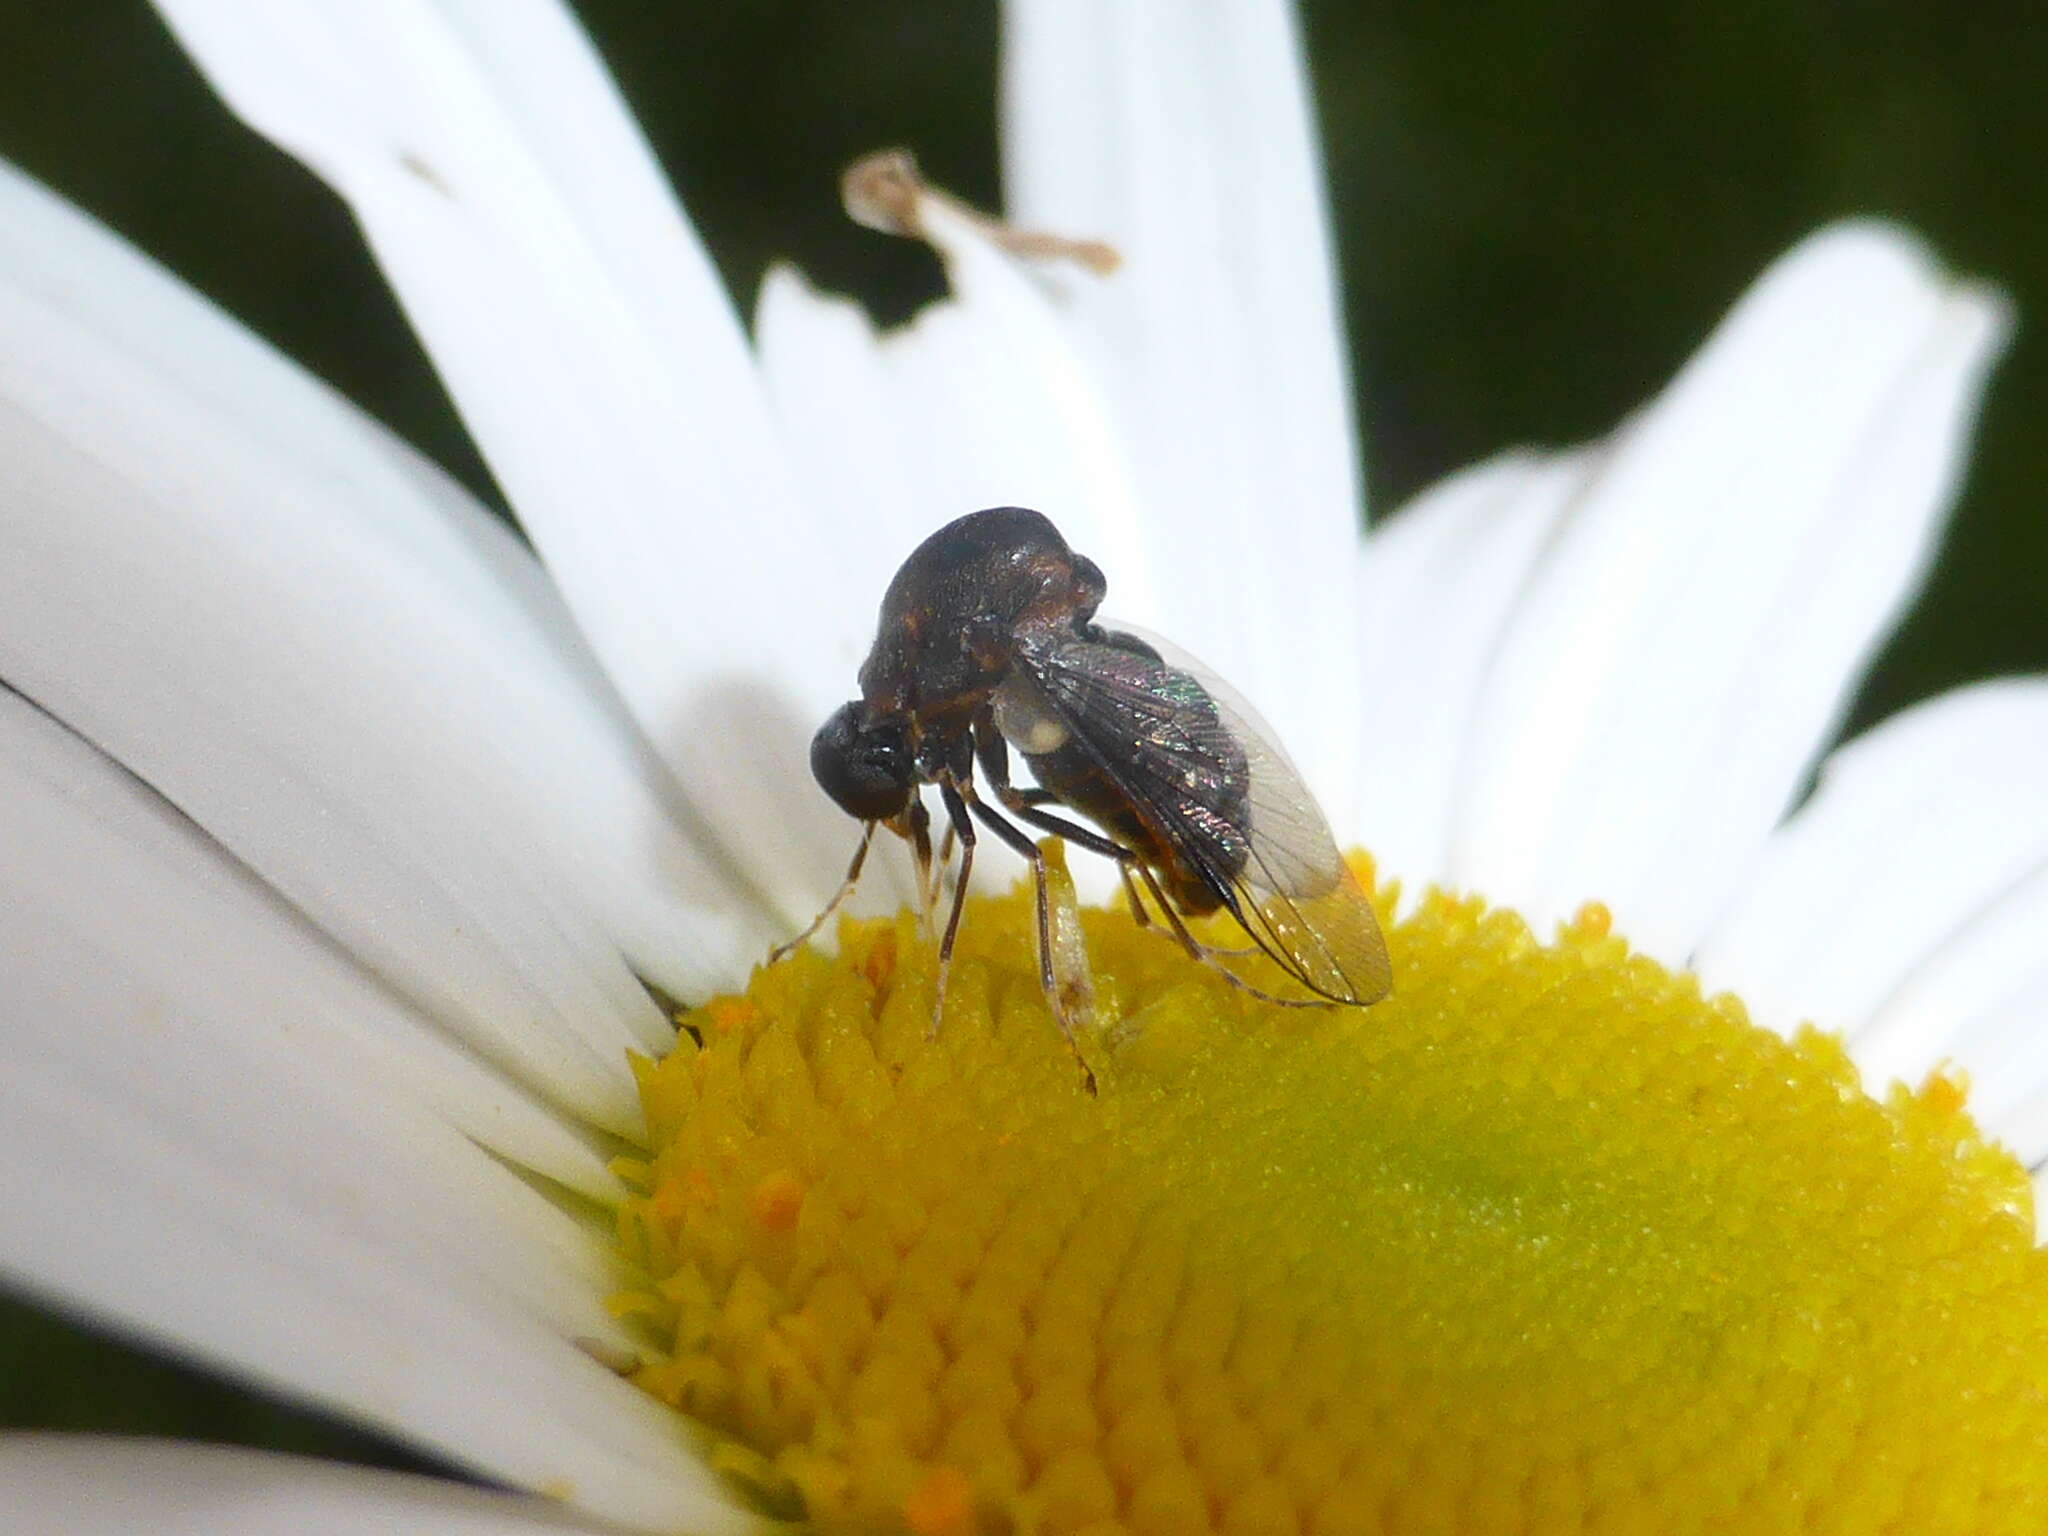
987	641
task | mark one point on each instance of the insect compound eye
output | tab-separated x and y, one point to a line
862	764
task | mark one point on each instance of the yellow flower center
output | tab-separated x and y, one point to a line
1546	1242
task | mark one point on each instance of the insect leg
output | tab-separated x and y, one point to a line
958	821
994	756
915	825
1127	861
1139	915
1212	957
1143	917
1048	976
1026	809
1073	832
860	857
1024	803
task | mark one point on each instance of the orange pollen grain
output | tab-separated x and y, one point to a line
726	1014
942	1504
777	1200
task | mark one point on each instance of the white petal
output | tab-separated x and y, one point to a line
217	1133
1692	637
981	401
103	1485
1438	582
173	654
336	662
158	384
1184	138
1978	999
1907	903
853	444
586	341
95	849
1012	415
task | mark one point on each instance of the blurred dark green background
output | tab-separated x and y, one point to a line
1541	207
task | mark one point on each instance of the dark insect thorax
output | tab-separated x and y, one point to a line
950	620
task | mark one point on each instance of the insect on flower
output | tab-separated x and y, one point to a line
987	640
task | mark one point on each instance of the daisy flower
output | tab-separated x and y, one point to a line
349	845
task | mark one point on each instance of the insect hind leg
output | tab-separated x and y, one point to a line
1212	956
1024	804
1142	916
1026	809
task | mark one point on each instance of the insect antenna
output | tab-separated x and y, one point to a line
860	857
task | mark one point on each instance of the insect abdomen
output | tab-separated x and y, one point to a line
1071	775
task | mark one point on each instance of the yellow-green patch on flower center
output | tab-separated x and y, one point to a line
1546	1242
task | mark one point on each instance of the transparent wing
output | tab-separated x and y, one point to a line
1206	776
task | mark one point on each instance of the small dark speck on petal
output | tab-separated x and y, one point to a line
426	173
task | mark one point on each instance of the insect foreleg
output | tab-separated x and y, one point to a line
958	822
860	857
